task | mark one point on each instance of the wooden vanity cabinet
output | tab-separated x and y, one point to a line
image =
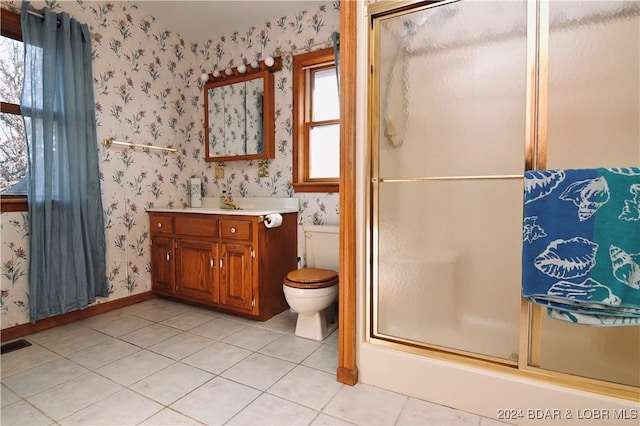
163	261
235	273
229	262
162	255
196	276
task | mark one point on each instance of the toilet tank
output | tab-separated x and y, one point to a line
322	246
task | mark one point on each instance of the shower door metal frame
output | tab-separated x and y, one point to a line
389	11
537	87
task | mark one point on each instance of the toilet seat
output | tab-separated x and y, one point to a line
310	278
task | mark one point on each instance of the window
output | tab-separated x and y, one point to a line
13	150
316	122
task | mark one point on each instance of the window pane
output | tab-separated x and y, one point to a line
324	151
11	66
13	155
326	104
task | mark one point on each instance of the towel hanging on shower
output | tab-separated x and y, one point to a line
581	244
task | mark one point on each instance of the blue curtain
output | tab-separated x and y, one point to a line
66	225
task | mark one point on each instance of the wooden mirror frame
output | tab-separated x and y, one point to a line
268	109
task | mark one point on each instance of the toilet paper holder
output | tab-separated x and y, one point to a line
272	220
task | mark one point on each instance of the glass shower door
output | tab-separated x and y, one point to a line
448	157
594	121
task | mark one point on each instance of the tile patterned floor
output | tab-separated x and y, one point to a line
164	363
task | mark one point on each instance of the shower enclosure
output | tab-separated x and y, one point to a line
466	96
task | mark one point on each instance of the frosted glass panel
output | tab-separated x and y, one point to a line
594	120
452	90
611	354
452	103
449	264
594	84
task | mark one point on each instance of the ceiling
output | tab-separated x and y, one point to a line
205	19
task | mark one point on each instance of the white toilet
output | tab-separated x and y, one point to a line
312	291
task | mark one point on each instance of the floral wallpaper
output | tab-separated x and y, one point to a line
14	296
147	91
282	36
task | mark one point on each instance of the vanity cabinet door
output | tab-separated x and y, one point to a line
163	265
236	284
197	270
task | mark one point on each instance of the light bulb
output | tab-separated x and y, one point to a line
242	68
216	73
204	77
255	65
268	61
228	71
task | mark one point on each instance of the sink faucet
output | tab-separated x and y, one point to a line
226	202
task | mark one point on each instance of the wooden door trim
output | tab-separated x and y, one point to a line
347	370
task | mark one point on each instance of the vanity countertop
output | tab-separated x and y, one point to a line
249	206
241	212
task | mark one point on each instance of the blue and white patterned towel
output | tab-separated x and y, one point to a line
581	244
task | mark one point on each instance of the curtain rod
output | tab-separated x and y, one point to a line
289	52
39	15
108	142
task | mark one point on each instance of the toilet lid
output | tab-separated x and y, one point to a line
311	278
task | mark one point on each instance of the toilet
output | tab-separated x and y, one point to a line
312	290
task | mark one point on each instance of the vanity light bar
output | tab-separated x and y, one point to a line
243	69
108	142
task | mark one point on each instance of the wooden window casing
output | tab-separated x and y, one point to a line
11	28
304	67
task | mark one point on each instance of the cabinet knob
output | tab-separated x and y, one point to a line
159	225
233	230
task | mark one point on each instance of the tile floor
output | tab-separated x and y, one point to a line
165	363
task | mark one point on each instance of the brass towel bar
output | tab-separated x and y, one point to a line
108	142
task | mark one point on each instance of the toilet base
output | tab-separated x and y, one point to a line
317	326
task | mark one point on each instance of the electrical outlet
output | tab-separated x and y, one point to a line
219	172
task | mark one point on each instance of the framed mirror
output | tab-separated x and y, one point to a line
238	117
